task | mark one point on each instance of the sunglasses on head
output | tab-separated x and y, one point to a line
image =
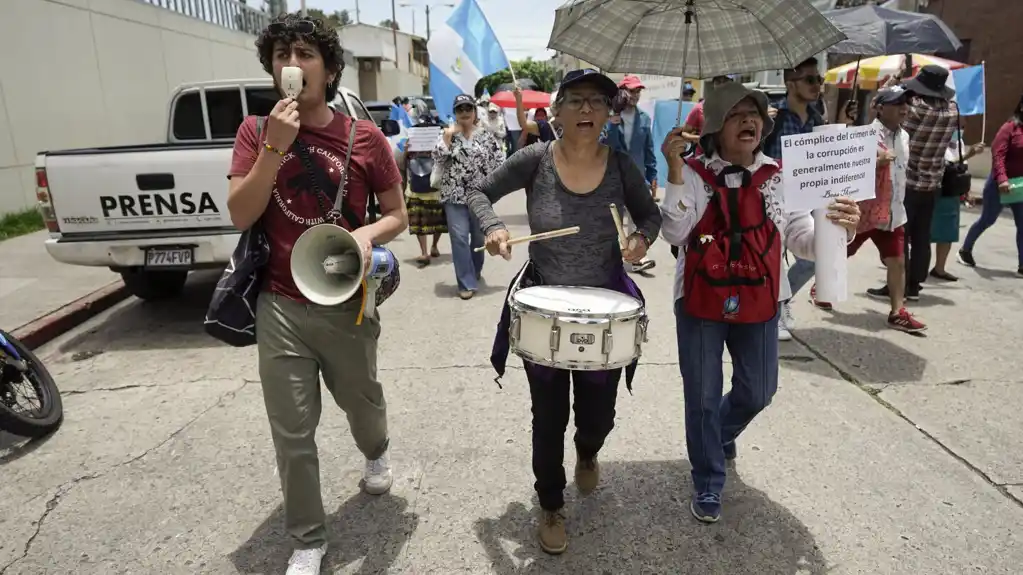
299	26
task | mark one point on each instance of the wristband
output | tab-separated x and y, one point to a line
273	149
646	240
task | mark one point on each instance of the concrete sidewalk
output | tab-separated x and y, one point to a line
33	285
883	453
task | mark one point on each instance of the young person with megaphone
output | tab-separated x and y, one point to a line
283	174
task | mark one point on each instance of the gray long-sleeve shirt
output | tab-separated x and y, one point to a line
585	259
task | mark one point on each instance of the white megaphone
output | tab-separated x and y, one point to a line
327	264
328	269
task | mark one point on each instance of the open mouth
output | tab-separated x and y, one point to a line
747	135
584	124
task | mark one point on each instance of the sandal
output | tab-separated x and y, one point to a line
944	276
423	261
434	253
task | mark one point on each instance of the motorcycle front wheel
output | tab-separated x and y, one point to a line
30	404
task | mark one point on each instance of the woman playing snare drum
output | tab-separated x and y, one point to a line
725	208
570	182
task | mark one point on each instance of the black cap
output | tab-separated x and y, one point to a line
897	94
606	85
462	100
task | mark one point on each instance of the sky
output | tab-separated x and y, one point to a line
522	26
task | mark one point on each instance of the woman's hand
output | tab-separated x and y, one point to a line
844	212
1004	187
673	147
635	249
977	148
497	244
449	134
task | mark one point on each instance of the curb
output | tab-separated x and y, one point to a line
62	320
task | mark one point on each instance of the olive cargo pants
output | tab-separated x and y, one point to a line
298	343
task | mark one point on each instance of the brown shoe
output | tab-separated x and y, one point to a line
587	475
551	533
466	294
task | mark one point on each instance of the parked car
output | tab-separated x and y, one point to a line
153	212
379	110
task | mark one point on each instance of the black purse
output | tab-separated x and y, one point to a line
231	316
956	181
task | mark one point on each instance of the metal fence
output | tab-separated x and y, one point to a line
230	14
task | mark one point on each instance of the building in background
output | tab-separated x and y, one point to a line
384	73
990	33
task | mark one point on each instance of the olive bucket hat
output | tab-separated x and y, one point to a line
720	100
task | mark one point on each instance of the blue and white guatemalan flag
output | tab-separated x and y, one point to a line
463	50
969	86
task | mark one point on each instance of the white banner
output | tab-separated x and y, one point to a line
828	164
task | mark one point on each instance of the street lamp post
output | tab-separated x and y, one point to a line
445	5
413	7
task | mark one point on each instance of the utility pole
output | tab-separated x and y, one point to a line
304	12
358	20
394	31
446	5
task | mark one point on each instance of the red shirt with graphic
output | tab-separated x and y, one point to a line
293	207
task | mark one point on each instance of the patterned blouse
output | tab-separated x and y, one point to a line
466	162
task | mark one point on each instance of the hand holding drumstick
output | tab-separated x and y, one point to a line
633	247
499	242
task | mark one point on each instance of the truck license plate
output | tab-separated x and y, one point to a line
168	257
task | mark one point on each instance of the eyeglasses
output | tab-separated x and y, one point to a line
811	80
463	108
575	103
298	26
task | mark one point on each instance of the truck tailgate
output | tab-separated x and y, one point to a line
148	189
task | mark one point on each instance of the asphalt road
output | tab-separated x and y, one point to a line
882	452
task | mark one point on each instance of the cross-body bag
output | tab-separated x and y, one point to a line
956	180
231	316
389	284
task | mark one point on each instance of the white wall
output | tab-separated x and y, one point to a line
84	73
391	83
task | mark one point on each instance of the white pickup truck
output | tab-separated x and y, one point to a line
153	212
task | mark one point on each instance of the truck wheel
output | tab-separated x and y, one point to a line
154	285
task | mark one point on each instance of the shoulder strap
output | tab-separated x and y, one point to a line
536	168
765	173
342	189
701	170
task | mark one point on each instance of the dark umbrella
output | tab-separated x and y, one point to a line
876	31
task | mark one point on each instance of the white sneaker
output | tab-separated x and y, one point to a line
377	478
786	322
306	561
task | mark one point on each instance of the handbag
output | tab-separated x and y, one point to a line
956	180
389	284
231	315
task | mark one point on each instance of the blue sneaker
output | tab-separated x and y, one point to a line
730	453
706	507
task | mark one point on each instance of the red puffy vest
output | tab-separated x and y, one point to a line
733	259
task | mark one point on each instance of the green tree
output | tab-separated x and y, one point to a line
389	24
336	19
537	71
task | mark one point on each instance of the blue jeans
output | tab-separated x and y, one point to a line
801	272
466	235
712	421
990	210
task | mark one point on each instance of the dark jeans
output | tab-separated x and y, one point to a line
595	395
919	215
713	420
990	210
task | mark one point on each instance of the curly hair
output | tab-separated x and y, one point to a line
285	29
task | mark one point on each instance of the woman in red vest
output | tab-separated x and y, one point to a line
725	208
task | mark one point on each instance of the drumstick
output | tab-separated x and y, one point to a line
622	240
538	237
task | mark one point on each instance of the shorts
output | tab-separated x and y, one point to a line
889	243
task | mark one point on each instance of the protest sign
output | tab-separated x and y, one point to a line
824	165
423	139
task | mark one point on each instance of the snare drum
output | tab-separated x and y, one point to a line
581	328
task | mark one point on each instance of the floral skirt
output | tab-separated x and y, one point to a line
425	215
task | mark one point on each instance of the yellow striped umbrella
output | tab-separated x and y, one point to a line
876	71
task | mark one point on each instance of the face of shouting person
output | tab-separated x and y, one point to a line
742	130
309	45
583	112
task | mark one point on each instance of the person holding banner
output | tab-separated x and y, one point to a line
727	297
1006	170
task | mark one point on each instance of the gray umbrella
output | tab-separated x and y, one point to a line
877	31
729	36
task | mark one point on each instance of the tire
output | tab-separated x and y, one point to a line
53	408
154	285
